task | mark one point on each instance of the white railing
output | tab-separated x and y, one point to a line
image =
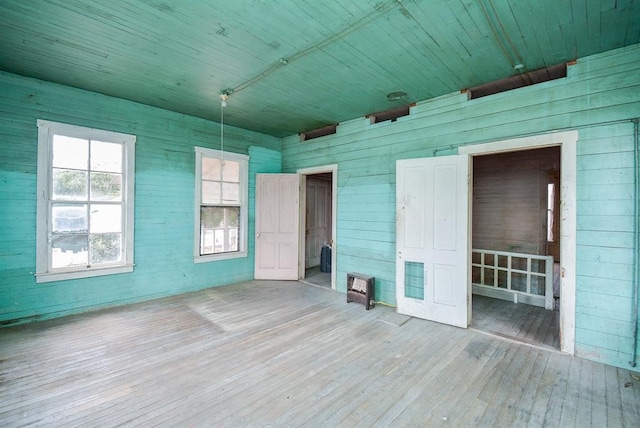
513	276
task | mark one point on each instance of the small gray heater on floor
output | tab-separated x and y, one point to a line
361	289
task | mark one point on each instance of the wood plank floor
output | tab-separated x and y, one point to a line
285	354
313	276
525	323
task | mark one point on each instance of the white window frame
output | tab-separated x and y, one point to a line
243	161
46	131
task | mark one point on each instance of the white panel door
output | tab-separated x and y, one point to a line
277	222
432	228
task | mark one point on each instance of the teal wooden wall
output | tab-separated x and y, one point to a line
164	199
598	98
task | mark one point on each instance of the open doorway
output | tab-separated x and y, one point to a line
516	245
317	226
434	234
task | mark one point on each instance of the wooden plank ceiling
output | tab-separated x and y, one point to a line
298	65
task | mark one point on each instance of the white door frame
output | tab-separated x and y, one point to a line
333	169
567	141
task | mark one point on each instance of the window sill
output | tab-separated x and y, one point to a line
88	273
218	257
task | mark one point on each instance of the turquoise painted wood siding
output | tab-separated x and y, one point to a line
599	97
605	242
164	199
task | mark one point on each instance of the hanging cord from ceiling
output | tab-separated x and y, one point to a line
513	57
378	11
224	96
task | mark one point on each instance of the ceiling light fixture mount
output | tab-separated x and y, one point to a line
224	96
396	96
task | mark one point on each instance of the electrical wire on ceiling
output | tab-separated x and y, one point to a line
410	16
407	14
513	57
377	12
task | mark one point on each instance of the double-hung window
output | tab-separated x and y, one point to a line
85	202
221	210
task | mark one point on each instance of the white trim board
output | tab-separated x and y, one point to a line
567	141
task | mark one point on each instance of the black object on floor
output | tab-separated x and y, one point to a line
325	259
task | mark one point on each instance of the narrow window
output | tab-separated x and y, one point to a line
85	202
551	197
317	133
392	114
520	80
221	205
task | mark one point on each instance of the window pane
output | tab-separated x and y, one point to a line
69	218
219	229
70	152
232	217
519	281
210	169
538	285
551	190
106	248
218	241
69	250
70	185
231	193
106	187
414	280
105	218
231	171
211	217
106	156
233	240
206	241
210	192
